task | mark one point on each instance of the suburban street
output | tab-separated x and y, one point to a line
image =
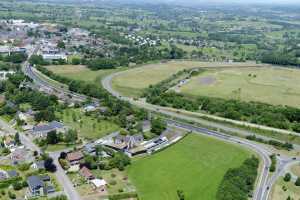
264	184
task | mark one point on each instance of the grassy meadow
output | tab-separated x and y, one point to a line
274	85
80	72
132	82
87	127
187	166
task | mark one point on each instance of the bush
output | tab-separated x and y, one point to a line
17	186
11	195
287	177
297	183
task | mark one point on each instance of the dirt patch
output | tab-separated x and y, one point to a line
207	80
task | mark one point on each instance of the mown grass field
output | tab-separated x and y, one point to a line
80	72
132	82
195	165
274	85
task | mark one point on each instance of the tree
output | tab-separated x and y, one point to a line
158	126
61	45
297	183
49	165
287	177
71	136
180	194
17	139
52	138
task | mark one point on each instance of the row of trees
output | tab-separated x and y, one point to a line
238	183
277	144
283	117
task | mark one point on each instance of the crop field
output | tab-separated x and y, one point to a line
133	81
274	85
187	166
80	72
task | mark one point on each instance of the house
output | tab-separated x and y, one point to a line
3	175
99	184
89	149
9	142
90	108
121	142
12	173
38	165
4	74
74	157
39	186
20	155
43	130
36	186
86	173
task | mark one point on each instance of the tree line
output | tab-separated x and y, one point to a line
238	183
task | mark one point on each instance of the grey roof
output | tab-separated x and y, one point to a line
40	164
50	189
12	173
35	182
45	178
48	127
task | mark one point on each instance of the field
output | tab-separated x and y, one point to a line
187	166
278	193
133	81
274	85
80	72
87	127
296	169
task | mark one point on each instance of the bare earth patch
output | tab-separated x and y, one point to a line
207	80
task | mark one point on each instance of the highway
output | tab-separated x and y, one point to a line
264	184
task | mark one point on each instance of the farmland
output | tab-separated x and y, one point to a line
133	81
186	166
274	85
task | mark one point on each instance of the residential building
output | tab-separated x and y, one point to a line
43	130
74	157
99	184
86	173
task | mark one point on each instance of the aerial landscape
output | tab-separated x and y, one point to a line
149	100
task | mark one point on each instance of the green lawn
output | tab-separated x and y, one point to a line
195	165
88	127
273	85
80	72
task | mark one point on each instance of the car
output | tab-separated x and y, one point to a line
294	158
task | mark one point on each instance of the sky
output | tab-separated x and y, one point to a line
233	1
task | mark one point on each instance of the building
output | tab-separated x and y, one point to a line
36	186
9	142
74	157
21	155
58	56
38	165
99	184
4	74
86	173
43	130
39	186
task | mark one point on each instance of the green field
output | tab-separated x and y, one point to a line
133	81
80	72
195	165
87	127
274	85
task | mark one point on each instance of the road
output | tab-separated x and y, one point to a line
263	185
61	176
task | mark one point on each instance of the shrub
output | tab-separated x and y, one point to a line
287	177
